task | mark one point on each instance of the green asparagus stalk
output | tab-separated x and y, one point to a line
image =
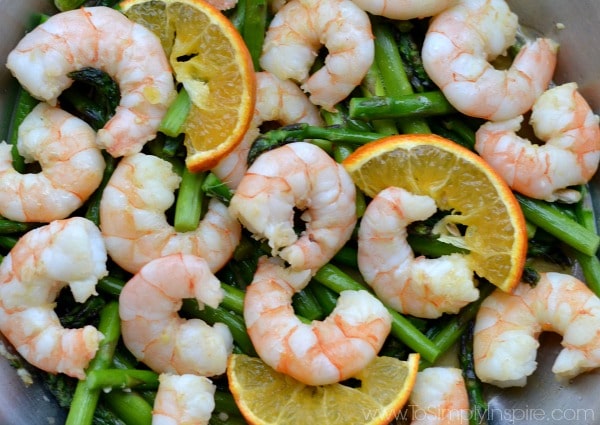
190	201
590	264
305	304
129	406
237	16
172	122
451	330
8	242
10	226
341	118
24	105
395	79
253	30
559	225
297	132
477	402
410	52
346	256
109	379
213	186
458	126
93	205
431	246
455	128
123	359
373	86
85	399
326	297
411	105
64	5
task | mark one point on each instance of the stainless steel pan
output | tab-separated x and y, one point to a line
575	24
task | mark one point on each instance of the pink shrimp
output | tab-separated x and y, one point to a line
564	120
458	46
298	31
135	226
508	325
404	9
103	38
183	399
440	397
303	176
322	352
71	163
65	252
423	287
155	333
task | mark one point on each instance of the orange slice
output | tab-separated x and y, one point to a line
265	396
460	182
210	59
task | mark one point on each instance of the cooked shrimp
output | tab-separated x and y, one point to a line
458	46
439	397
508	325
404	9
297	175
319	353
422	287
298	31
63	253
100	37
276	100
71	167
153	330
183	399
564	120
135	226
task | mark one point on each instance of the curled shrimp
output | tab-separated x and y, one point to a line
298	31
422	287
319	353
404	9
183	399
458	46
103	38
439	397
135	226
303	176
153	330
508	326
71	167
276	100
62	253
569	157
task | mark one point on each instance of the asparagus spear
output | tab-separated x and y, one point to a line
477	401
394	75
85	399
253	30
560	225
410	105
